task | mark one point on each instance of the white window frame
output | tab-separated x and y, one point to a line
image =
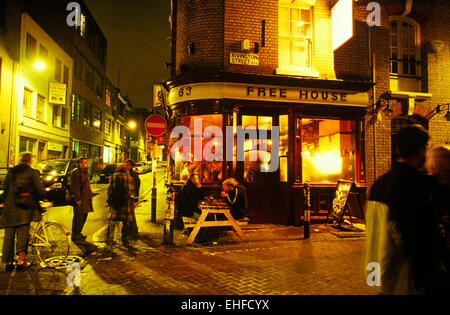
417	51
291	69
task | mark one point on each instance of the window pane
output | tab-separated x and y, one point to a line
43	54
306	16
295	15
284	52
265	123
328	151
248	121
31	47
394	27
27	100
58	66
40	110
283	169
300	53
284	129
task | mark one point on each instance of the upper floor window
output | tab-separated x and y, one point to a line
31	46
405	46
295	35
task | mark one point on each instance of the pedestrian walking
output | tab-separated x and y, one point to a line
402	238
438	166
82	199
121	191
23	191
131	164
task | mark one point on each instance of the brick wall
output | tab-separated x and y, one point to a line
200	22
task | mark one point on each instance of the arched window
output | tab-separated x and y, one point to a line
405	47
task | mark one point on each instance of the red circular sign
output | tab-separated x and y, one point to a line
156	125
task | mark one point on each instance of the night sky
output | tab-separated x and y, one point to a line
138	34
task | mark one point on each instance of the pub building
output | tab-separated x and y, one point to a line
336	87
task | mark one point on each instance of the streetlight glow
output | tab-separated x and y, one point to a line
40	65
132	124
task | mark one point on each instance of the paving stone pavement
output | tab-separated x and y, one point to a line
275	260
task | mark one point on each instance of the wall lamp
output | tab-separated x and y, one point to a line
439	108
383	105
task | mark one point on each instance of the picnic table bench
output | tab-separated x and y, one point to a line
213	207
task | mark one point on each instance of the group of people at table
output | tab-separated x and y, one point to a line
233	194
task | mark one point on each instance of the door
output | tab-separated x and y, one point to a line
262	186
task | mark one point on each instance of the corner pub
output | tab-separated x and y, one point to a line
323	91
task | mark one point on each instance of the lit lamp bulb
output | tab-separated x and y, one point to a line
40	65
132	124
97	123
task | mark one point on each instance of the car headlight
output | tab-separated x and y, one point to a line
56	186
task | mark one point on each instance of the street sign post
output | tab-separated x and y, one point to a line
156	126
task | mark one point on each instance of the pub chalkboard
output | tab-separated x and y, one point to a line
340	203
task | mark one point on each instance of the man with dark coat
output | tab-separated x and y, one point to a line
82	196
21	182
189	196
236	197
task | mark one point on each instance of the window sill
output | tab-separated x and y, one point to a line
299	72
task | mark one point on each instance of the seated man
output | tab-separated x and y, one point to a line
236	197
189	196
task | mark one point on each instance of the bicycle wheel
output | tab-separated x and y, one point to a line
52	244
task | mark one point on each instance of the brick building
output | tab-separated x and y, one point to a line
338	89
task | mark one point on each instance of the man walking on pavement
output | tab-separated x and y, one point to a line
82	197
402	233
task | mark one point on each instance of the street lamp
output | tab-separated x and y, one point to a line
132	124
40	65
439	108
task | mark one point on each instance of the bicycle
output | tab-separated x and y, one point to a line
50	240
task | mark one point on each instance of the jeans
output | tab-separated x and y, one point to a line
23	235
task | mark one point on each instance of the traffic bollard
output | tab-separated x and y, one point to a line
169	218
307	211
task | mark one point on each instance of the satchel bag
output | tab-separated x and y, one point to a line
24	199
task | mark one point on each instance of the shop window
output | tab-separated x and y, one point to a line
405	54
295	38
207	171
284	146
328	150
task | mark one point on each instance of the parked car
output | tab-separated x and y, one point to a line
143	168
107	172
55	175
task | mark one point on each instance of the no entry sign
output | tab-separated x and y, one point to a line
156	125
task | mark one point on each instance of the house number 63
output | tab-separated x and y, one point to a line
185	91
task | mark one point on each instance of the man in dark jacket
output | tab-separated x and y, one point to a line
236	197
189	196
82	195
402	233
22	182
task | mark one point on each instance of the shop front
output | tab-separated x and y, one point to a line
273	134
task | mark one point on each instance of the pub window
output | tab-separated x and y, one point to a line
258	148
83	25
405	46
31	46
295	36
284	146
328	150
207	171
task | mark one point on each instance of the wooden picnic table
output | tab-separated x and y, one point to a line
214	207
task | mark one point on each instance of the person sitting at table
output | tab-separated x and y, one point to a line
189	196
236	197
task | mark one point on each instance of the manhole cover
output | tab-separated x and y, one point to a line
62	263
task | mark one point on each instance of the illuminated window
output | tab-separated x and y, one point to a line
295	35
405	47
328	150
284	146
108	98
83	25
207	171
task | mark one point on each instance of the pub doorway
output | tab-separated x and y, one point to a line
262	187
